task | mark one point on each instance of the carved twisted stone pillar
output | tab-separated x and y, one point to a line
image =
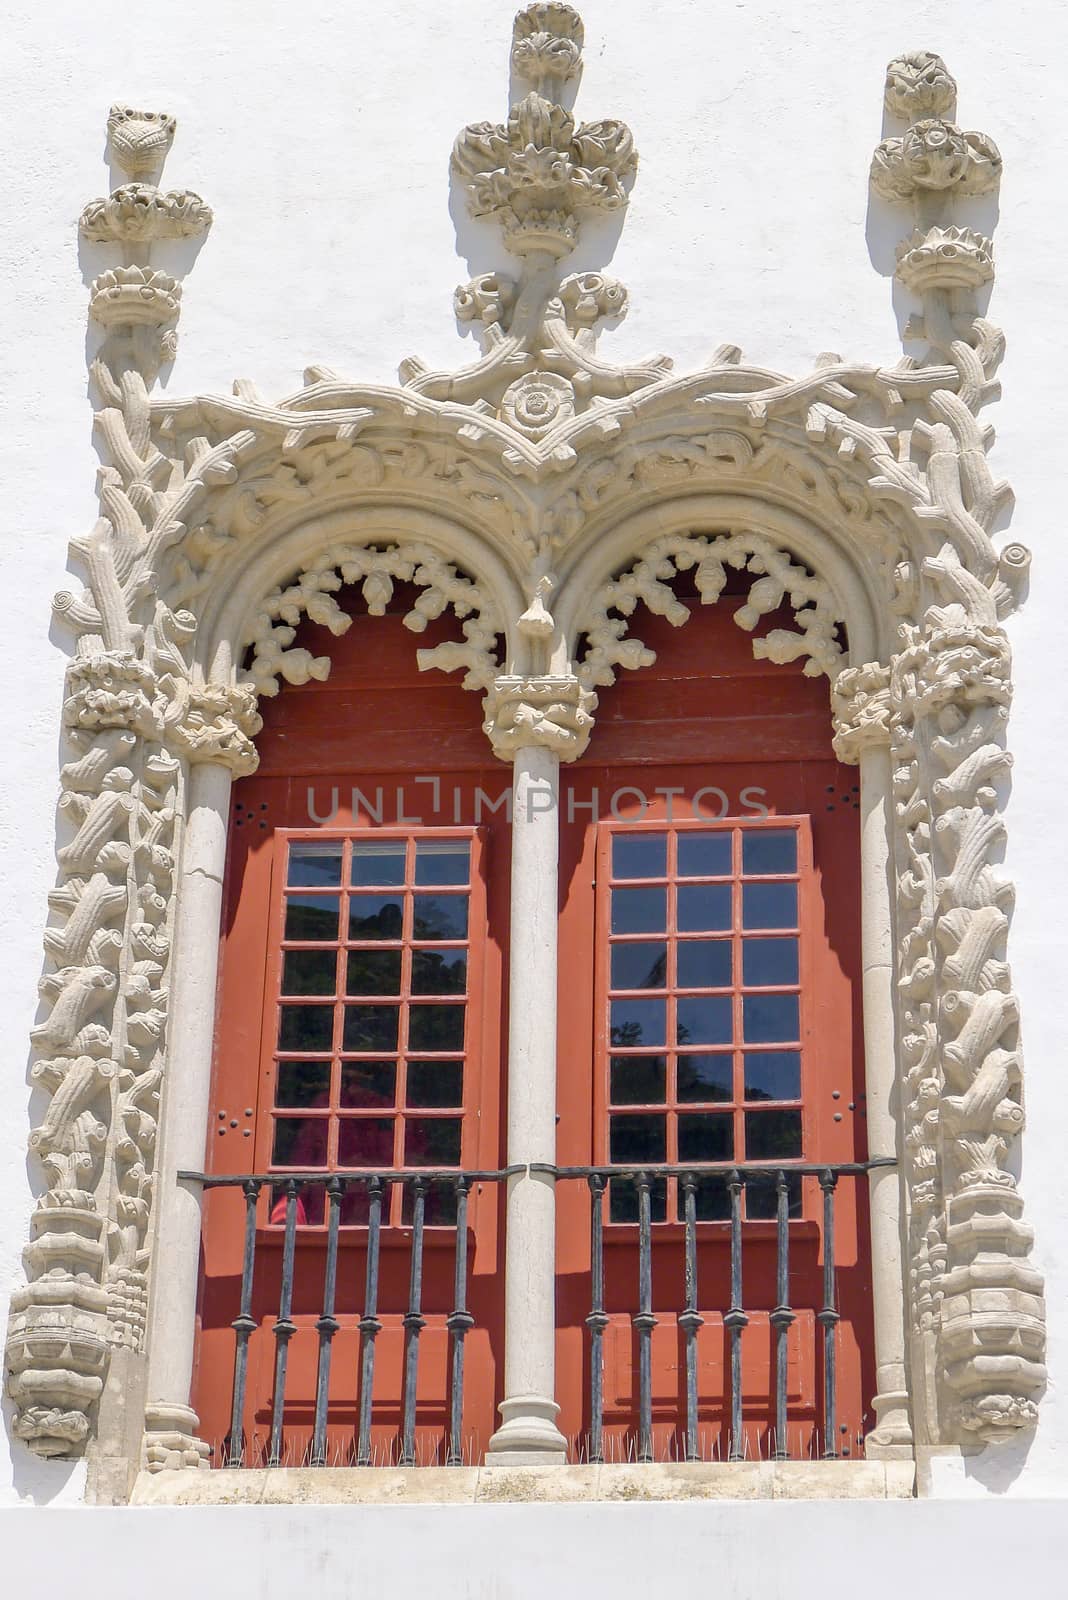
533	722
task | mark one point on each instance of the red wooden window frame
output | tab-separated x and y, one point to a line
405	945
736	1106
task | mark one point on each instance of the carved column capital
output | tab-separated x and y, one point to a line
860	705
554	713
215	722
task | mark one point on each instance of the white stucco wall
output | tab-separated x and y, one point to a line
320	134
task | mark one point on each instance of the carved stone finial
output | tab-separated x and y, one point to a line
139	140
540	172
546	44
927	165
919	84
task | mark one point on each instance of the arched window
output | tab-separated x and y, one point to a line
708	1035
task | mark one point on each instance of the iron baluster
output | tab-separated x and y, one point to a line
690	1320
413	1323
644	1321
369	1324
244	1325
327	1324
828	1318
459	1323
736	1320
597	1321
782	1316
285	1327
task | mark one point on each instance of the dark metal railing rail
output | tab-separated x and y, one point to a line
418	1184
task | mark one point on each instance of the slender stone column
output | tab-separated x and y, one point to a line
892	1436
528	1432
169	1421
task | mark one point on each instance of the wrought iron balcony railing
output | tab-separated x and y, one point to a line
417	1185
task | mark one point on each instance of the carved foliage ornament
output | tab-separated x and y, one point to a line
492	490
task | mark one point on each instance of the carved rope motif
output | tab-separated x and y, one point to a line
533	451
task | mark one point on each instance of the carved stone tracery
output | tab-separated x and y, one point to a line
537	453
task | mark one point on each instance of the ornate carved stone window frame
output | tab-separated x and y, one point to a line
542	495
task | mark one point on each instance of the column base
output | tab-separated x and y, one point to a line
171	1438
891	1438
528	1435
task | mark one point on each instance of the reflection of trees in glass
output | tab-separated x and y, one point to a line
312	917
704	1078
439	971
656	977
440	916
370	1028
384	922
626	1033
436	1027
309	972
373	972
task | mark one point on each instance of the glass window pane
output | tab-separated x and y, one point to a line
309	972
432	1142
305	1027
638	1080
440	916
639	910
712	1199
302	1083
312	917
704	908
762	1198
435	1083
365	1142
636	1022
704	1019
366	1085
639	965
439	971
623	1200
706	1136
314	865
375	916
300	1141
767	1018
704	855
772	1135
773	1075
769	905
639	855
634	1140
442	861
436	1027
705	1077
703	963
766	961
378	862
769	850
370	1028
373	972
439	1205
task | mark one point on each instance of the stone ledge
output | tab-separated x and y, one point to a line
673	1481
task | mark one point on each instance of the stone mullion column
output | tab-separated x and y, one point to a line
170	1423
535	722
892	1436
528	1431
862	719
